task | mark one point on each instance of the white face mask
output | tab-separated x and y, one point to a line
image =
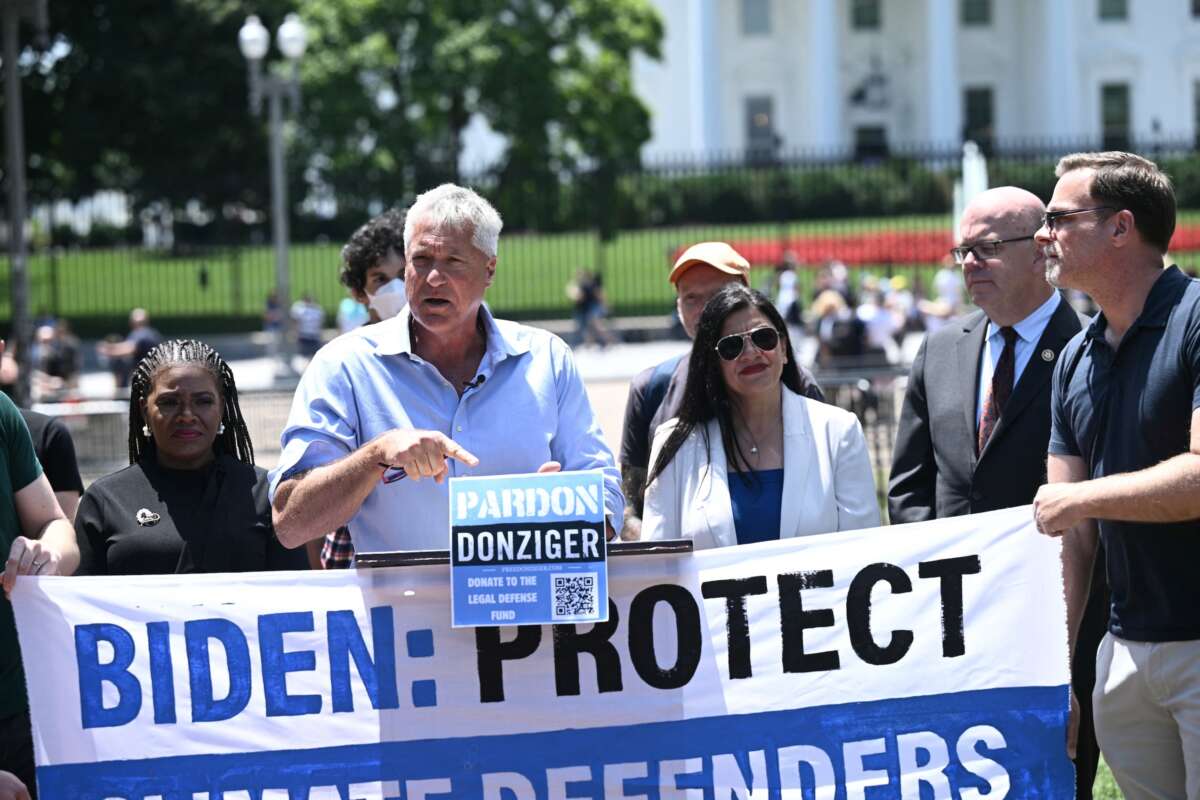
389	300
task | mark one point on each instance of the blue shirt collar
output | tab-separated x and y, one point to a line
503	338
1030	329
1163	297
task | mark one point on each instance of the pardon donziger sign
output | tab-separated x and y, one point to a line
528	549
918	661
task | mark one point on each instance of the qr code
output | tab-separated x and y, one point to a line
574	595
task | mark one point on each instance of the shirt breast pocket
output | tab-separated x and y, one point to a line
521	432
377	421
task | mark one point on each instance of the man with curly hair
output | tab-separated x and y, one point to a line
373	265
372	270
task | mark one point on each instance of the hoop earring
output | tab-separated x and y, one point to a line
220	429
146	431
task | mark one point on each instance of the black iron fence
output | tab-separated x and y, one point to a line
882	216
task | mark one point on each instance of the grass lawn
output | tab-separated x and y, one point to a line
1105	788
531	276
532	273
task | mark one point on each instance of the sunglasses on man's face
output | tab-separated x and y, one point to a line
731	346
1050	218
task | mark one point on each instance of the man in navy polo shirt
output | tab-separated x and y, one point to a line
1125	460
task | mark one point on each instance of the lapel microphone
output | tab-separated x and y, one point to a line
475	384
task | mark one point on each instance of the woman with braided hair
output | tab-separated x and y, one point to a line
191	499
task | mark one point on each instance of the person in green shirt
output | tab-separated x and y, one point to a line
39	541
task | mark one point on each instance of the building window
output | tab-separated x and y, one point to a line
761	140
756	17
1117	10
870	143
865	15
976	12
979	117
1114	115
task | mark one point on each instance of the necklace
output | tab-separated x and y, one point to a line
753	442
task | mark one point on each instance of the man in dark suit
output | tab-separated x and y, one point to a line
976	417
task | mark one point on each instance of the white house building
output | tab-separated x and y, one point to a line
840	76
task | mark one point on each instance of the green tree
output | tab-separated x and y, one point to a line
149	96
390	90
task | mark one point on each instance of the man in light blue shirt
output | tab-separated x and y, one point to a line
385	413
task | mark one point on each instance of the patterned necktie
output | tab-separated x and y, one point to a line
1000	389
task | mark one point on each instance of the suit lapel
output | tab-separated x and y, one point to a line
1063	324
797	460
970	354
716	506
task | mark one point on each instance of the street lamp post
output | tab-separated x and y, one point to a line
254	41
14	132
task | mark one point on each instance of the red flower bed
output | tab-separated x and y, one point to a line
883	247
1186	239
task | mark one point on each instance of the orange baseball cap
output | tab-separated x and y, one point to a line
717	255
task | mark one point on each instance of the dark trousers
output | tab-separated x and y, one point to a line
16	749
1083	678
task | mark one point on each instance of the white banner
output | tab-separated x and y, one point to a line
930	659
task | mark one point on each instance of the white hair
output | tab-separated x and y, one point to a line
460	208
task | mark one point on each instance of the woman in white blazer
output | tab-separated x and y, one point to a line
749	458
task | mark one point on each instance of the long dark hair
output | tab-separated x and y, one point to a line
180	353
705	395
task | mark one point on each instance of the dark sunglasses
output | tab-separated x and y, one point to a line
392	474
730	347
1051	217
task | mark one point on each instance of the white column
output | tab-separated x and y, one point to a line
1059	85
704	86
943	92
826	120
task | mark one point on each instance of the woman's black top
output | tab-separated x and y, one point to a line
150	520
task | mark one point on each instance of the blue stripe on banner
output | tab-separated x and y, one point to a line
983	744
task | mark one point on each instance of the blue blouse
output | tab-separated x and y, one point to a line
756	506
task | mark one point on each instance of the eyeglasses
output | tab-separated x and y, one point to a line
730	347
988	248
392	474
1051	217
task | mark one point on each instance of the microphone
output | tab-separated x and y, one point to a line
475	384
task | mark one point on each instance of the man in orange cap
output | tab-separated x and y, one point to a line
654	393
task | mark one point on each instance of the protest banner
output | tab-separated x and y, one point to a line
915	661
528	549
